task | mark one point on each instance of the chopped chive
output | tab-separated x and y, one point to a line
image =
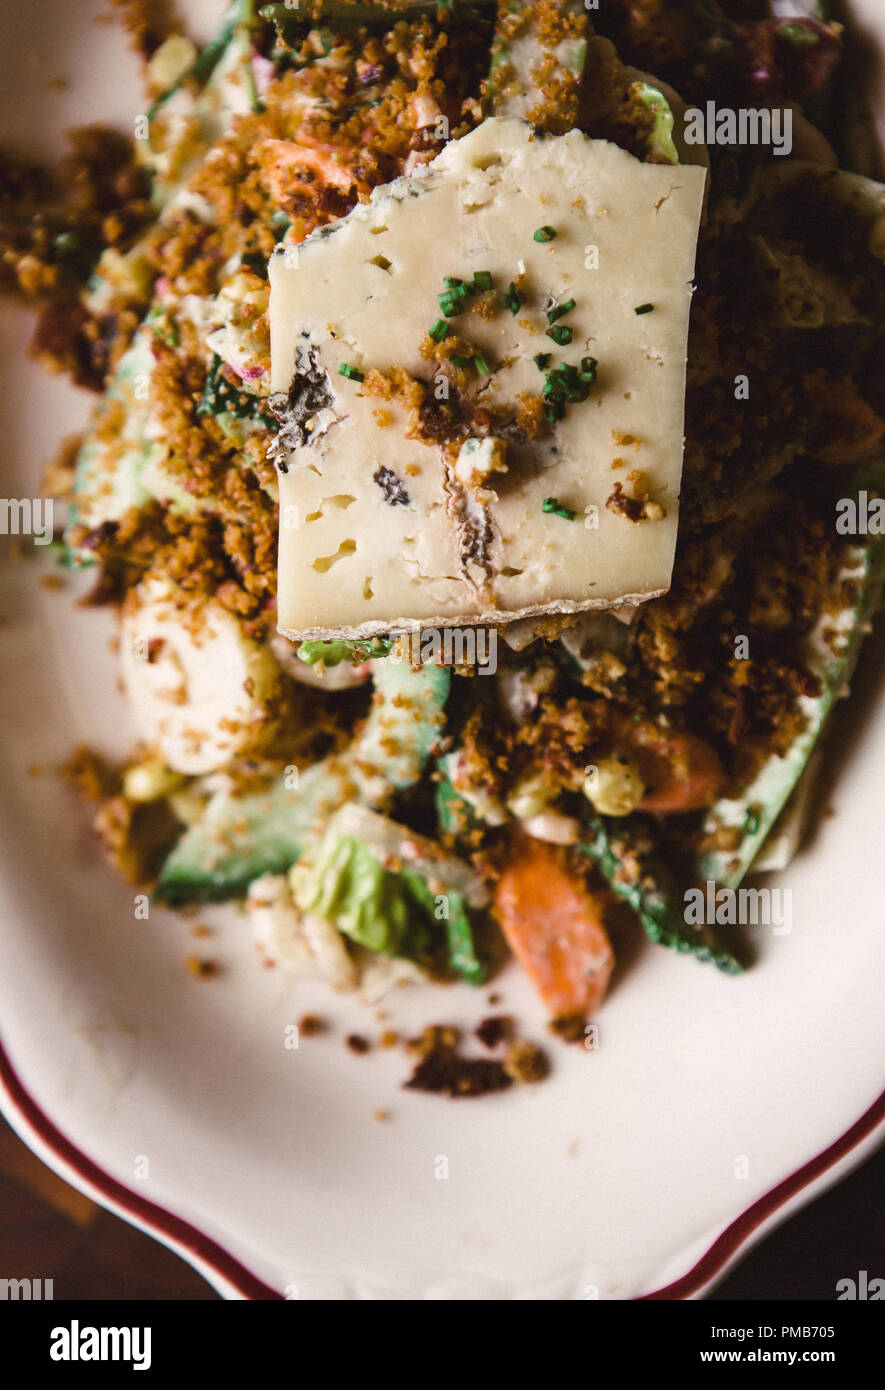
559	310
463	362
542	360
439	330
482	366
450	306
511	299
560	334
456	289
751	822
352	373
482	280
588	367
565	383
545	234
552	504
643	308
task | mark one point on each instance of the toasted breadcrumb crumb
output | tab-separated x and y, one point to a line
309	1025
202	969
525	1062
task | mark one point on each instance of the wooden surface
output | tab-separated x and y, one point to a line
50	1231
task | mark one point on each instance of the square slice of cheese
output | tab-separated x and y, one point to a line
496	475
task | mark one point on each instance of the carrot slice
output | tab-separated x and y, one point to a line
553	926
290	164
689	777
681	771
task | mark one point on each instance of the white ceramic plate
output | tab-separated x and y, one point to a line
712	1108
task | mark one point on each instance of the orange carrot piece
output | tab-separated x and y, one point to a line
288	164
681	771
689	777
553	926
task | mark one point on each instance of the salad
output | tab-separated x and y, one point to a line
439	643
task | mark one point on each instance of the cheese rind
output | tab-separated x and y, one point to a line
379	529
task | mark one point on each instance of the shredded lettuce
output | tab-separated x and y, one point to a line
379	910
343	649
455	814
367	893
661	139
462	948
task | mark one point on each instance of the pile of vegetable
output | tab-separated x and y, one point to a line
412	838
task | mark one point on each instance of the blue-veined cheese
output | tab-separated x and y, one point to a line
380	528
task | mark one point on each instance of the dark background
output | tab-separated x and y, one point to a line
48	1228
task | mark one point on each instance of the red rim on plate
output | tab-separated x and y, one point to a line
188	1241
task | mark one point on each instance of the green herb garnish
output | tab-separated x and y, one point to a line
643	308
343	649
352	373
588	369
560	334
560	310
545	234
456	293
451	304
564	384
542	360
566	380
439	330
511	299
552	504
